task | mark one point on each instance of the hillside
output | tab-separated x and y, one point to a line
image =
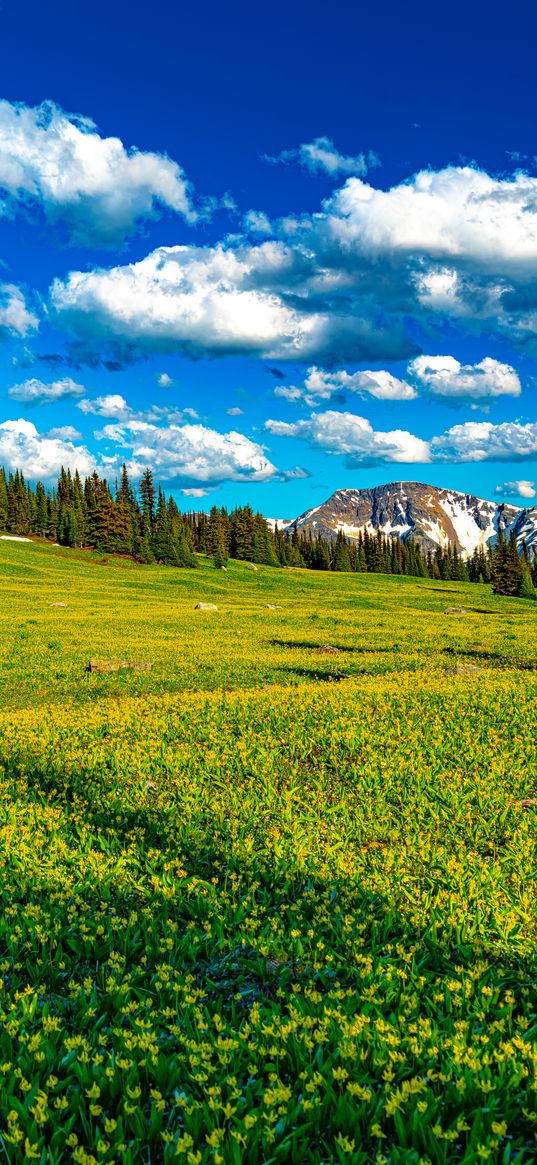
269	898
431	516
268	624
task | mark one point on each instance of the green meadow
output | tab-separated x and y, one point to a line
273	898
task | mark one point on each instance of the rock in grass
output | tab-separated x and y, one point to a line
59	604
108	665
528	803
205	607
326	649
463	669
250	566
455	611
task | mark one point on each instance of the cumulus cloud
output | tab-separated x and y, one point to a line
23	447
165	381
196	493
517	489
320	385
192	453
218	301
346	285
354	436
256	222
444	376
64	433
483	441
235	412
448	216
35	392
111	405
321	157
15	317
196	457
101	189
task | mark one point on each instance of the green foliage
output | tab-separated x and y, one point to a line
151	529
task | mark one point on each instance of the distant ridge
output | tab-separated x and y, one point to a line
431	516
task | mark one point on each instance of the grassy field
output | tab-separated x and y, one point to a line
261	903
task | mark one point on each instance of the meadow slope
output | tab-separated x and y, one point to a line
262	903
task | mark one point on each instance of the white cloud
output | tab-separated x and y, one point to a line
344	285
35	392
15	317
321	156
64	433
444	376
112	405
289	392
165	381
191	452
235	412
354	436
320	385
196	493
516	489
483	441
101	189
453	214
217	301
22	447
257	223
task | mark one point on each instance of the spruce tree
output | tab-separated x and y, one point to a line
527	589
3	500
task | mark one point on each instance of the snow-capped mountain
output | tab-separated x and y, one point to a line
433	517
281	523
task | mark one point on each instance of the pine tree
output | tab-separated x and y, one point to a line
527	589
341	559
40	522
3	500
147	497
506	566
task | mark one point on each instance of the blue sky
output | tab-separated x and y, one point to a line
270	253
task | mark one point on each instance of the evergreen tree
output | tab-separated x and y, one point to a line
341	559
527	589
506	566
147	498
40	522
3	500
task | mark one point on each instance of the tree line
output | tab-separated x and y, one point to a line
148	526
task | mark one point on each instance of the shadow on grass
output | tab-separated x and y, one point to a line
218	918
309	645
208	853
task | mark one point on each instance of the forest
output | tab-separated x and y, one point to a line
143	523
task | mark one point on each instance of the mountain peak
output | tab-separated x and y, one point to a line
431	515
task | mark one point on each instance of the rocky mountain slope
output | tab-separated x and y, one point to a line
432	516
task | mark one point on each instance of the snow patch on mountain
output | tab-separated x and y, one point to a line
281	523
433	517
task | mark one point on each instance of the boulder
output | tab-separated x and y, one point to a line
455	611
250	566
463	669
205	607
326	649
108	665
